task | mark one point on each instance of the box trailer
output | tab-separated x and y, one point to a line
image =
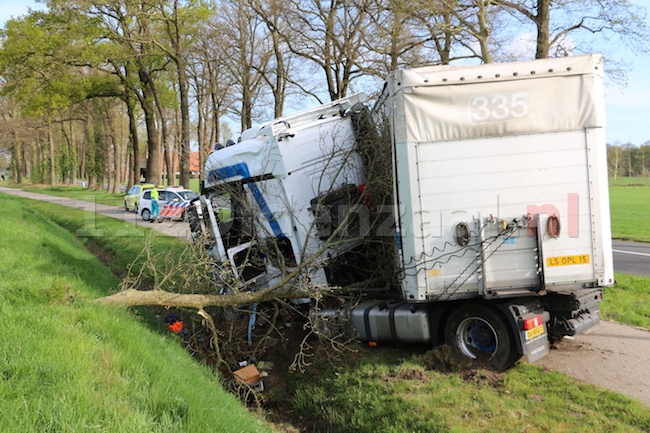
499	208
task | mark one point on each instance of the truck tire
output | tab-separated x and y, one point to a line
480	333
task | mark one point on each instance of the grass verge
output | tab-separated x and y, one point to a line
78	193
628	301
67	365
394	391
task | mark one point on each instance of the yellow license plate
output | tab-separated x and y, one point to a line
582	259
535	332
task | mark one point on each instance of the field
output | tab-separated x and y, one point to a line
630	211
383	389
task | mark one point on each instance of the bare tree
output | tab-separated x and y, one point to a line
246	52
331	35
555	21
179	20
396	38
213	85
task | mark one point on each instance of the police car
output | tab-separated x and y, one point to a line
172	203
133	195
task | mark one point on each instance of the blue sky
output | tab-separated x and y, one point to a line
628	109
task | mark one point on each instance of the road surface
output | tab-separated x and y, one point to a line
631	258
611	356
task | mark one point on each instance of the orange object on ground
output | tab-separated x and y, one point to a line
248	374
175	327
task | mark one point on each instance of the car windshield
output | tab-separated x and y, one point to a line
188	195
134	190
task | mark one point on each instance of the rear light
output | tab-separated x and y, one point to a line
533	322
367	199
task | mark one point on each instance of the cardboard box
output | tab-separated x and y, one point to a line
249	374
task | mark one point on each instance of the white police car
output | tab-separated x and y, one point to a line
172	203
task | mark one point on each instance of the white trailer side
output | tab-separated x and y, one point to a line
484	157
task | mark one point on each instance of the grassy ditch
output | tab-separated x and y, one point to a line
107	352
67	365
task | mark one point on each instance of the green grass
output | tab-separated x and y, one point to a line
119	241
77	193
383	393
628	301
368	392
630	210
627	181
68	365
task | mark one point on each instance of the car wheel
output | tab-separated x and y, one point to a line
126	206
146	214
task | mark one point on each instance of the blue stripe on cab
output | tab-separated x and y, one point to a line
241	169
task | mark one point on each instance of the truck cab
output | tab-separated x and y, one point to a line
272	200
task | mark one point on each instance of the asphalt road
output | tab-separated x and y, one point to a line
611	356
631	258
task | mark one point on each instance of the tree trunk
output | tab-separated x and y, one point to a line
16	152
50	139
73	156
133	138
154	160
168	159
543	20
184	155
112	156
484	32
201	128
90	154
39	163
133	298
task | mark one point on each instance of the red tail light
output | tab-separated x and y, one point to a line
533	322
367	200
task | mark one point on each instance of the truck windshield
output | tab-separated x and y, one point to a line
232	209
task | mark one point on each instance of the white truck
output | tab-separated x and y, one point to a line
499	209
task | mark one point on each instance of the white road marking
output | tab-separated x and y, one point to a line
631	252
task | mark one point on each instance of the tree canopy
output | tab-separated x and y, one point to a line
186	68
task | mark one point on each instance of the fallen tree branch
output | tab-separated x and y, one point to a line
135	298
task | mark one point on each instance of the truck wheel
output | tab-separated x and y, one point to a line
146	214
477	332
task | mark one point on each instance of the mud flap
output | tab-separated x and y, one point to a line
533	343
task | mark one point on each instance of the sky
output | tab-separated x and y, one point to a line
628	109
